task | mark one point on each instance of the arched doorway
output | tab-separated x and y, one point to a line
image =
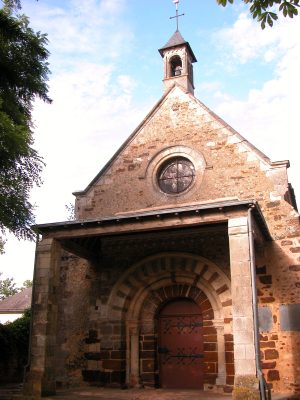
146	287
180	345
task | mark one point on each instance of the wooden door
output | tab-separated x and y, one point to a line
180	350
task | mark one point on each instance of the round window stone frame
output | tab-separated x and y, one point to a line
159	159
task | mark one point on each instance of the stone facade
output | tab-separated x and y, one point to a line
101	280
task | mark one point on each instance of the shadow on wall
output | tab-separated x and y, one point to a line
279	309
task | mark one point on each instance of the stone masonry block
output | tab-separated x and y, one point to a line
94	347
217	283
225	296
45	246
239	248
43	261
239	269
243	324
250	351
124	289
243	337
241	309
240	352
246	387
240	222
93	364
242	293
245	367
43	268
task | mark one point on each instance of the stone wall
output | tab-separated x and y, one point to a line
278	284
227	166
92	323
77	280
94	307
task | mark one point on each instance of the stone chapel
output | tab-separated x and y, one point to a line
182	266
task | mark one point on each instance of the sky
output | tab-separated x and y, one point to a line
106	75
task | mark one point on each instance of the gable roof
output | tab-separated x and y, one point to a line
177	40
239	138
16	303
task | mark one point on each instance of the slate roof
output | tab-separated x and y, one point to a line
177	40
17	303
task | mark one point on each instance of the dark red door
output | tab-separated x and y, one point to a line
180	351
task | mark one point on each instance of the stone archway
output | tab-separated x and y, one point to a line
145	286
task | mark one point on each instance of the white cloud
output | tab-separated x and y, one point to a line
246	41
209	86
91	115
269	115
89	27
92	111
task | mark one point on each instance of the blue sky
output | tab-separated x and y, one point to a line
107	75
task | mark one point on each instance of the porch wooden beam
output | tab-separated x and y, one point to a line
78	250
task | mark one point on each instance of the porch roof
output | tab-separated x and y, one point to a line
155	214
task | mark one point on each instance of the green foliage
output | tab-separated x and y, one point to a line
23	75
2	242
71	211
12	4
261	9
20	330
14	341
26	284
7	287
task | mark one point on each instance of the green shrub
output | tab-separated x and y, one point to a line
14	341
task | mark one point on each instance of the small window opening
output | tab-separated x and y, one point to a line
191	75
176	66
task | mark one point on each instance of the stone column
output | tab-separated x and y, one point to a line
242	311
133	356
221	379
40	372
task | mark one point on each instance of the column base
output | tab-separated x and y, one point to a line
32	387
36	386
246	387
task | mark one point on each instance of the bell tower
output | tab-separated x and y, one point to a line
178	58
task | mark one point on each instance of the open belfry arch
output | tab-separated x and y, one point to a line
184	255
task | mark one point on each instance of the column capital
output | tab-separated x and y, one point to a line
238	226
218	323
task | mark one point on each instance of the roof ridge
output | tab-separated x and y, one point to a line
175	40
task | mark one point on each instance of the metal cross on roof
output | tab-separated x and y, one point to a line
177	15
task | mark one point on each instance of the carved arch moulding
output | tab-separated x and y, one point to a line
147	285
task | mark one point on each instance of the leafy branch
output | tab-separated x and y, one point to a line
261	9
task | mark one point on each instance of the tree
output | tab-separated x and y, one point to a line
7	287
14	341
261	10
26	284
23	76
71	211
